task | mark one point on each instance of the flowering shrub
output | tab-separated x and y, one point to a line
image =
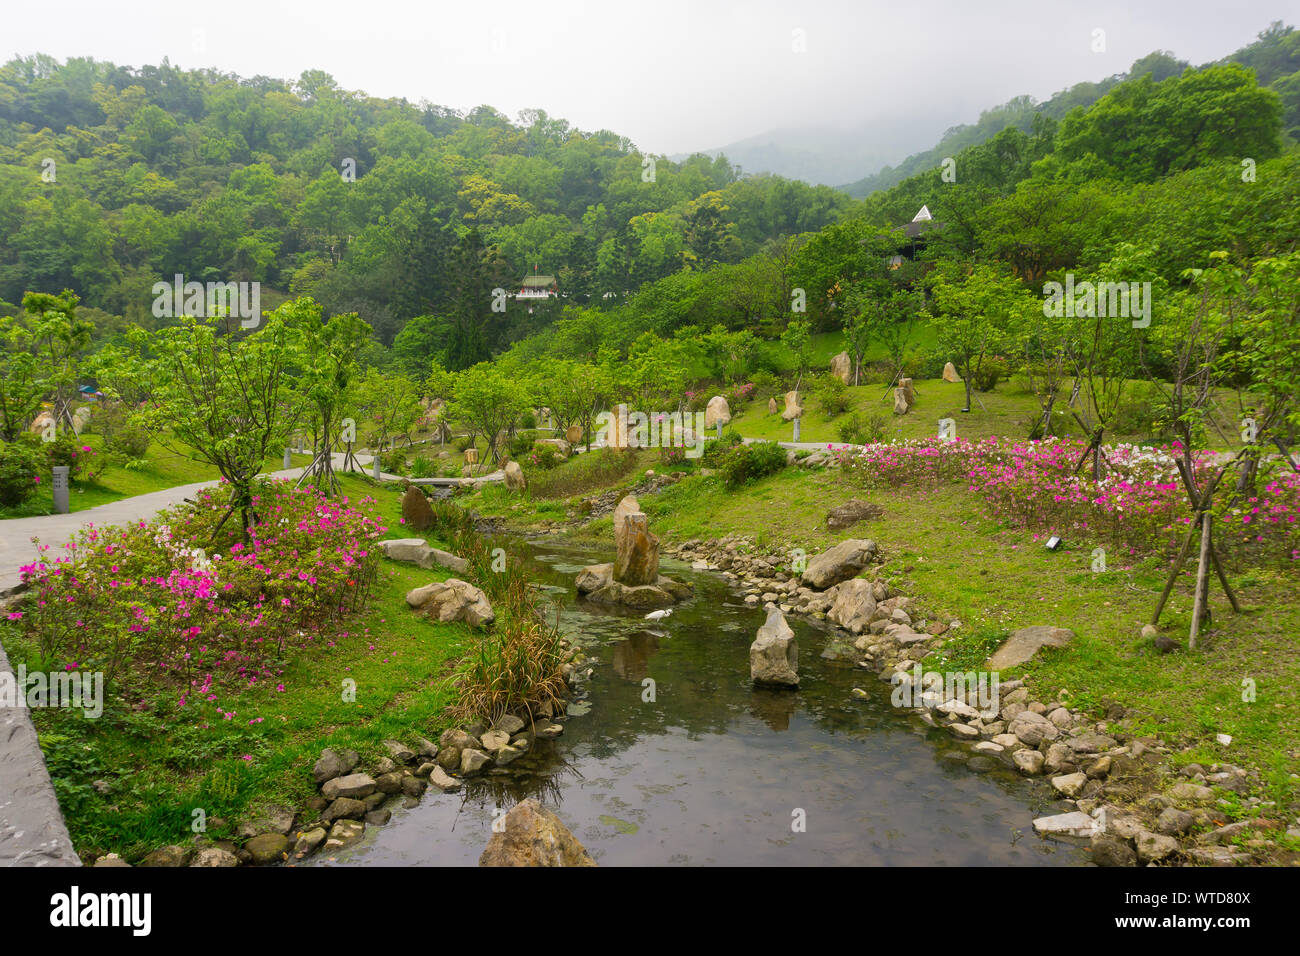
184	601
740	395
1139	503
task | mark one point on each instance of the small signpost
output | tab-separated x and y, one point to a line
61	489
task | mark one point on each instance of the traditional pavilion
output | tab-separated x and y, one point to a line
536	286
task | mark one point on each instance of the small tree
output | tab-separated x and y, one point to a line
222	397
975	310
489	401
326	351
58	338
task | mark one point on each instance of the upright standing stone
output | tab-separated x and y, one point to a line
61	489
637	561
774	655
792	407
376	462
796	429
950	373
841	367
515	480
772	407
717	413
906	385
288	458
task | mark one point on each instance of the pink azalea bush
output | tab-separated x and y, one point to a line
1139	503
178	601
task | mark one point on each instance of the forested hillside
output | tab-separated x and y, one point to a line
112	178
1274	56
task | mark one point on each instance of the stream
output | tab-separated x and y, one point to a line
713	771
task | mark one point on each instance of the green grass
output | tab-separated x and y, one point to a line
162	764
1005	411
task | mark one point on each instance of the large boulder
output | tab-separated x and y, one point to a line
531	835
854	605
772	407
1024	644
41	422
717	412
901	404
417	551
573	435
793	409
453	600
416	511
515	476
637	561
661	593
594	577
80	419
908	392
841	367
844	561
950	373
774	655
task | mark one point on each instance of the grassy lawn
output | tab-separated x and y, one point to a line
1007	410
163	763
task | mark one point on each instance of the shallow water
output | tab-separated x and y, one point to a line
714	771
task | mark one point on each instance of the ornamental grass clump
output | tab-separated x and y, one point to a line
516	663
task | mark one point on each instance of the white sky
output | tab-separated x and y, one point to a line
673	75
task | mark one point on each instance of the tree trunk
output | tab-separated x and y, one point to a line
1202	581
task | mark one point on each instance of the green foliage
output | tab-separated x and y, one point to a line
859	429
22	464
748	463
832	395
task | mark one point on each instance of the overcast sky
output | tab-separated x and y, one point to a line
673	76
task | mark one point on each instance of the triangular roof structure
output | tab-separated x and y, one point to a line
923	215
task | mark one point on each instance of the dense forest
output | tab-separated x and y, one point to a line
411	215
114	178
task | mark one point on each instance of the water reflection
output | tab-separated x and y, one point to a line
710	770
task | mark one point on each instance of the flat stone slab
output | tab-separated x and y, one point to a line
1076	824
1024	644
